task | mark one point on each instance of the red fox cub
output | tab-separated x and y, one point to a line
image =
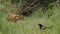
14	17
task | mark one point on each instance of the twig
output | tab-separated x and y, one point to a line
30	5
20	6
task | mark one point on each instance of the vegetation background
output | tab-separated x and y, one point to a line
29	24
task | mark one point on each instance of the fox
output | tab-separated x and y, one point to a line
14	17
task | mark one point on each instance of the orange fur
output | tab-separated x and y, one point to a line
14	17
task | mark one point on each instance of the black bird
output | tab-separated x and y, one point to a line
42	27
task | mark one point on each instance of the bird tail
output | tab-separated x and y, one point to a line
49	27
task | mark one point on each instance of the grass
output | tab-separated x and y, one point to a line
29	24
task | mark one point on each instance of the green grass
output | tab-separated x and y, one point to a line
29	24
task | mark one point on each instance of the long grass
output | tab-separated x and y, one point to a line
30	24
